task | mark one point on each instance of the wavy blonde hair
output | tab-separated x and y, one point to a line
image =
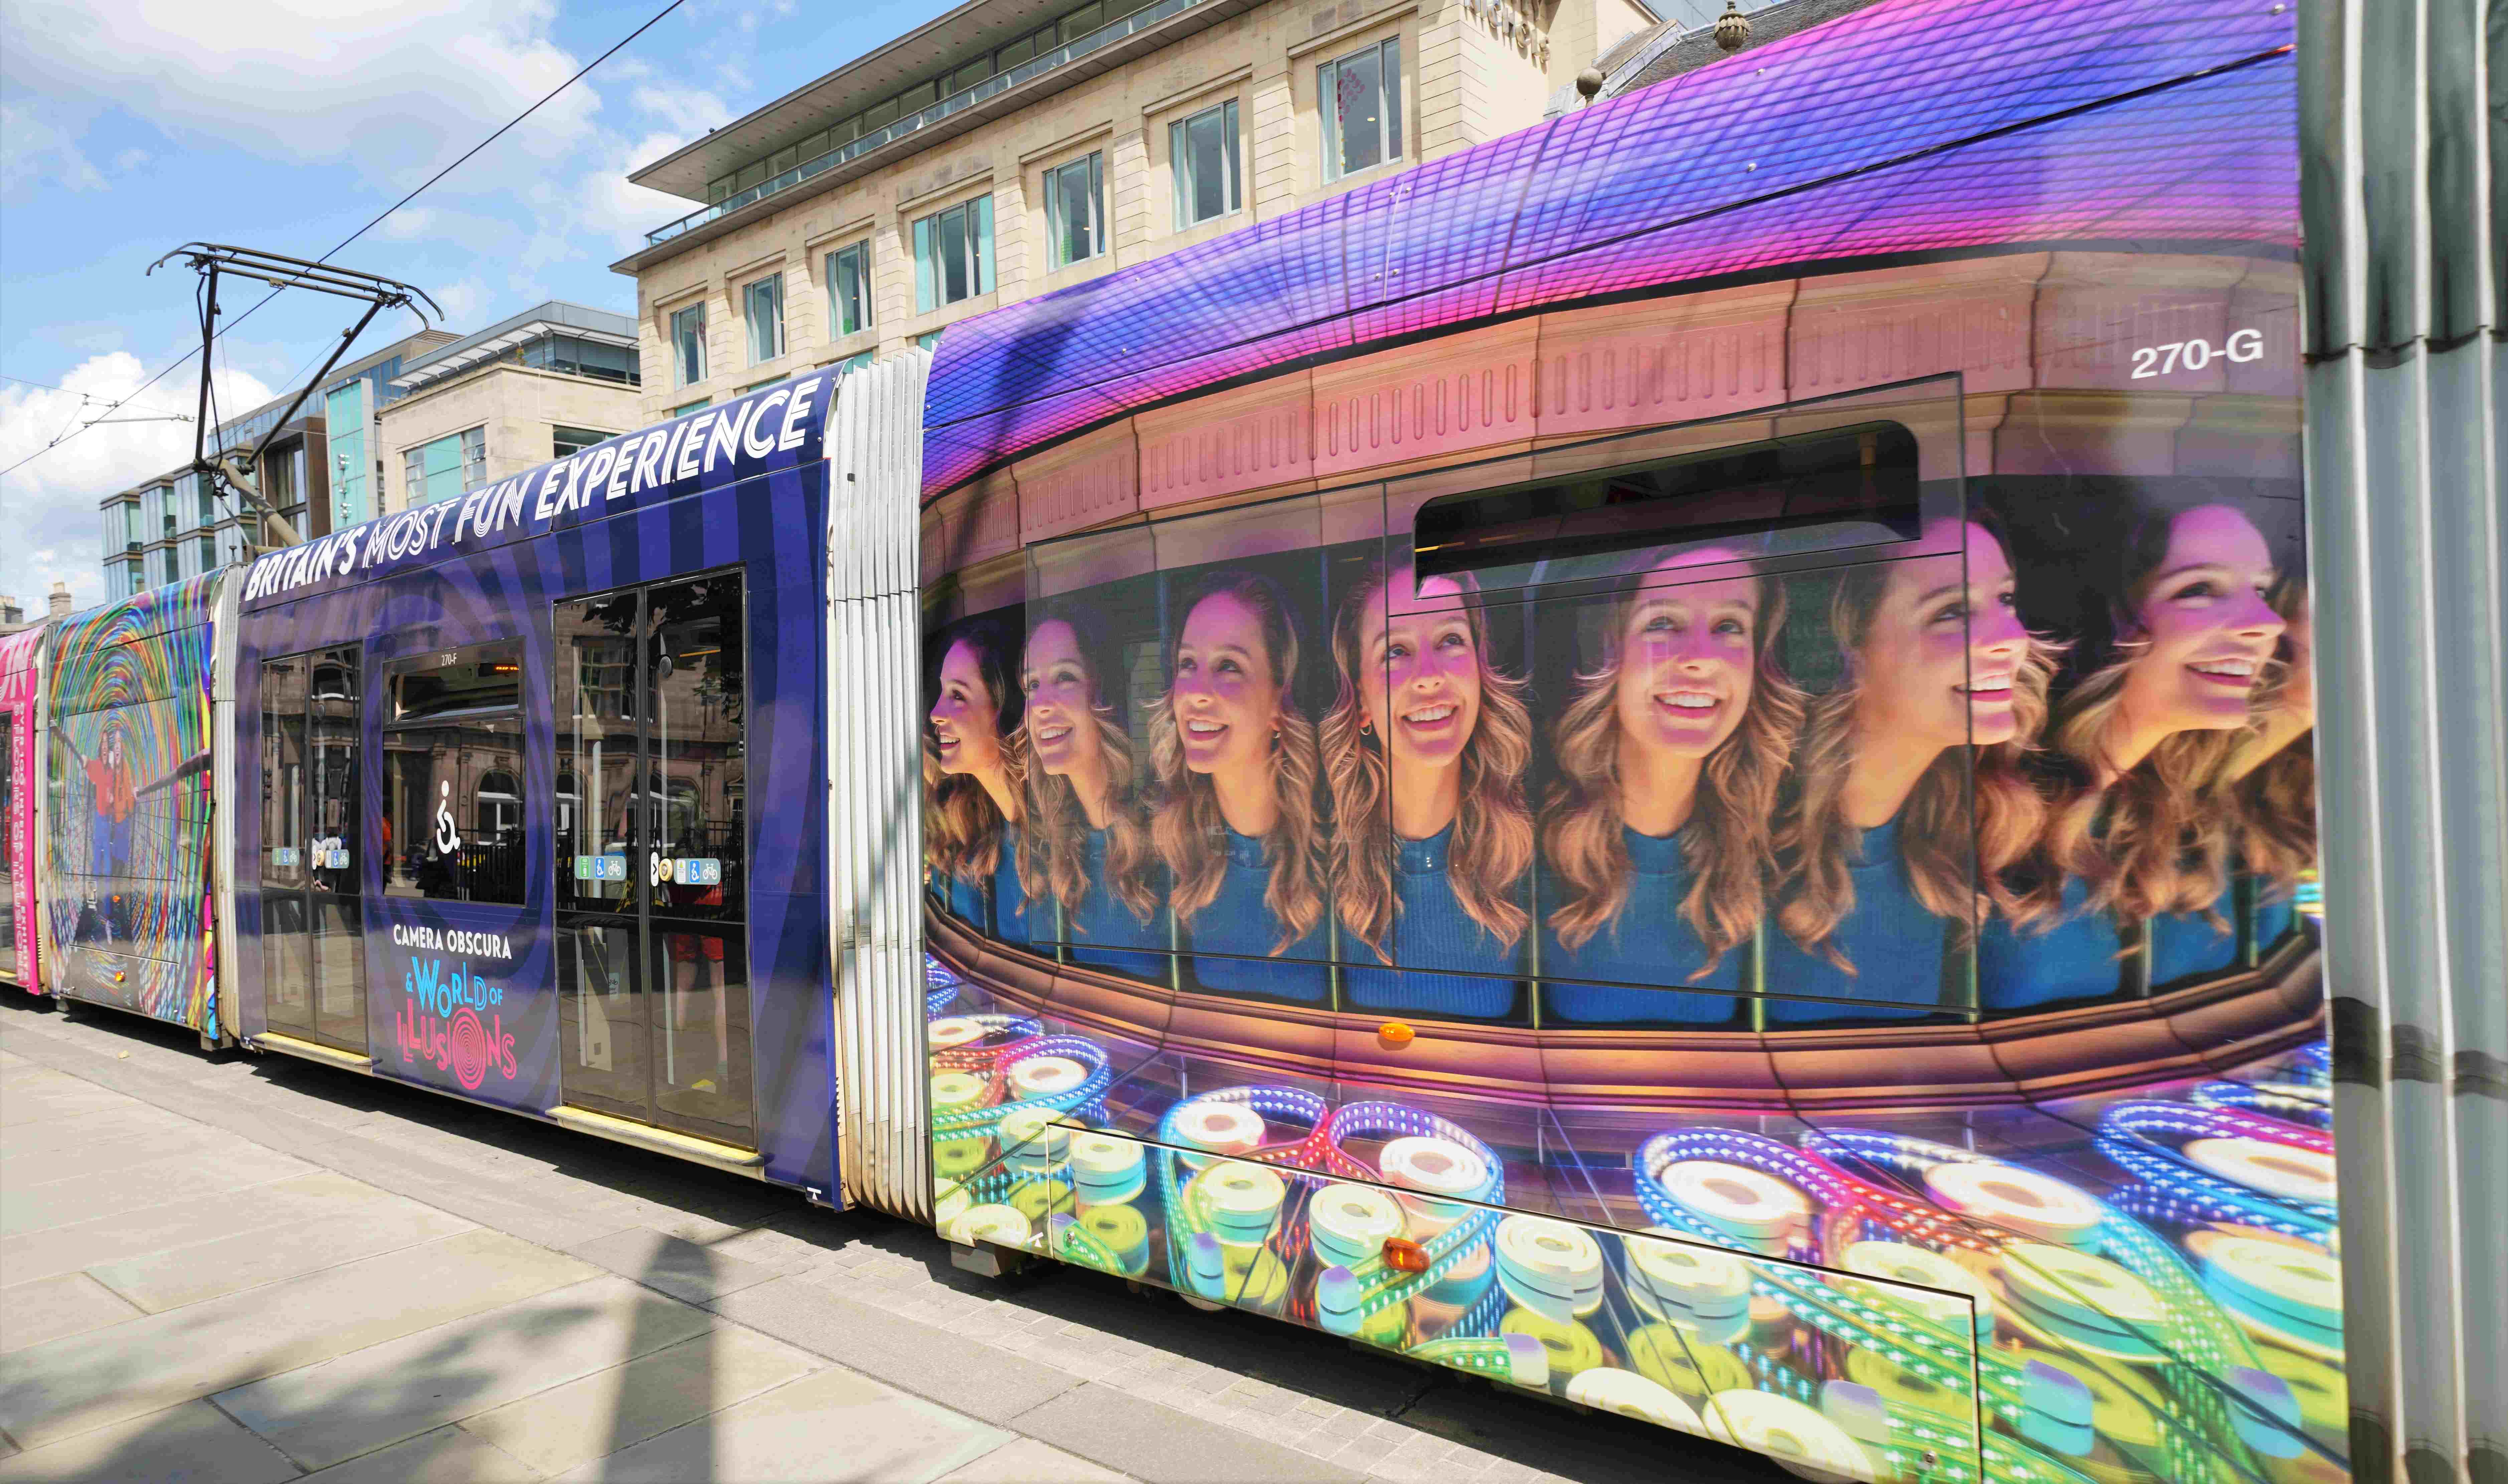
1187	828
1492	841
1728	842
962	825
1053	853
1813	838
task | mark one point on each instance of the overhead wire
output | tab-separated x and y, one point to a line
502	131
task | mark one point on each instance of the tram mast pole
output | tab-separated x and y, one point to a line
239	471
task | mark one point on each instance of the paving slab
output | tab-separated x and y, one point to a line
49	1308
52	1390
363	1400
684	1270
35	1205
205	1270
47	1102
1029	1462
832	1427
126	1119
590	1418
445	1456
90	1156
179	1224
951	1369
1165	1446
194	1443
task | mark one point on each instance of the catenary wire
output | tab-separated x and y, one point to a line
502	131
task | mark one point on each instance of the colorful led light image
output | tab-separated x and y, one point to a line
1846	1299
1915	126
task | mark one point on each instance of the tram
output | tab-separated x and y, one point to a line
1667	761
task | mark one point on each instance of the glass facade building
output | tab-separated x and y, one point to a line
319	473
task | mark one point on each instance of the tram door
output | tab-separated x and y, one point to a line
651	715
312	919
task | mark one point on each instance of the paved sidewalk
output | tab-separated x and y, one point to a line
232	1269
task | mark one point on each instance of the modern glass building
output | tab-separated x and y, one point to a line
319	473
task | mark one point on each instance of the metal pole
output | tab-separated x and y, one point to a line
2400	196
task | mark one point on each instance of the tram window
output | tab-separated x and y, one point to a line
1839	488
456	813
314	846
284	824
455	682
697	736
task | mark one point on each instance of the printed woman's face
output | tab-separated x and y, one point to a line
1225	696
2209	628
1687	659
966	719
1421	685
1061	701
1942	648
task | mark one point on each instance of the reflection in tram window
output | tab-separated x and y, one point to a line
454	806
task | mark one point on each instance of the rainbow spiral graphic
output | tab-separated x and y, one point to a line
138	670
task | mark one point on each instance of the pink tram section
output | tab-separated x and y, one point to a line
1668	761
22	956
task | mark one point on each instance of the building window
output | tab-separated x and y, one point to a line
849	290
762	303
574	439
688	344
1204	148
1074	218
209	554
685	407
345	412
579	357
443	468
928	339
855	362
953	254
1360	97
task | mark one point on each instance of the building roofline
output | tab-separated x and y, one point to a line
556	317
1166	32
905	55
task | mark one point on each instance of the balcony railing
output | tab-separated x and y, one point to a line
957	102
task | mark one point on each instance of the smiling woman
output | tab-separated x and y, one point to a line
1426	751
1658	833
1885	869
1085	846
1237	768
2174	687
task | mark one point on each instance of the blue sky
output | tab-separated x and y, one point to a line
130	126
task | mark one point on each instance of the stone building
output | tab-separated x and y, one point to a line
536	386
1013	148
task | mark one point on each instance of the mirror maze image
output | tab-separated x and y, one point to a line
1710	810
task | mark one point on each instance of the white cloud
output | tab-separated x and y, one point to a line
466	305
395	90
54	530
689	111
